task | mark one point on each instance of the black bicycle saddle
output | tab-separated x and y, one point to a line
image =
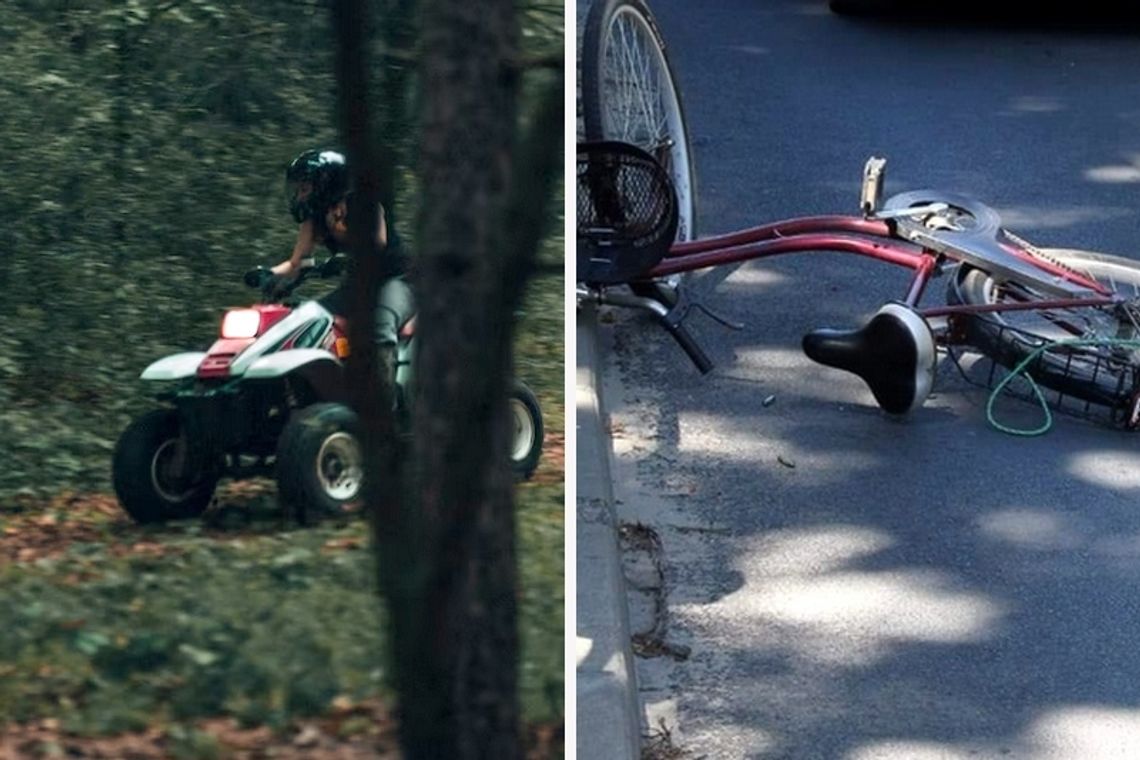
627	212
893	353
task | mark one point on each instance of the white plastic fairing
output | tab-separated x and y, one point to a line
284	362
174	367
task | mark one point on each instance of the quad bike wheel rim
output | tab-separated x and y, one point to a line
524	431
166	482
340	467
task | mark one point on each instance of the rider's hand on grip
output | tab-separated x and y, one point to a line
333	266
273	287
266	281
256	277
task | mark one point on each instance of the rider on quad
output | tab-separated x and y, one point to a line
317	187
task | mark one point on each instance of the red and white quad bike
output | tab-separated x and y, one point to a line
269	398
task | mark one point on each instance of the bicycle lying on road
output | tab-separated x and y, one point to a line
1067	319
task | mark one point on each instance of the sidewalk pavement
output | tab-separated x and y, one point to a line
608	719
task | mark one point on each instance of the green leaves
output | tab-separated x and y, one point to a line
203	629
262	626
49	81
200	657
145	143
90	642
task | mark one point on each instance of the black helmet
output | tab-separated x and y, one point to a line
314	181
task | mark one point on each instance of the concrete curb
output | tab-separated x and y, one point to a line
608	713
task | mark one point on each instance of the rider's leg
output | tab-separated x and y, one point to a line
394	307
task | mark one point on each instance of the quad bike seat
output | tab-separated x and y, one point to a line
407	329
893	353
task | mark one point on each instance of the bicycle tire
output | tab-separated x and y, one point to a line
597	29
1106	376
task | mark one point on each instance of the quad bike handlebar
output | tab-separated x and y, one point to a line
276	288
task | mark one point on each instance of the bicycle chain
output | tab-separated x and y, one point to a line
1130	311
1033	250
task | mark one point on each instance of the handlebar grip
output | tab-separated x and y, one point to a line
695	352
256	277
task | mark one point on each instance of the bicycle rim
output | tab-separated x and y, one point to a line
1105	374
630	95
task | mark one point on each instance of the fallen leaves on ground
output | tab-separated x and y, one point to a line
364	731
350	732
552	465
33	531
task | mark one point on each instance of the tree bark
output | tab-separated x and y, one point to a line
372	399
469	96
446	545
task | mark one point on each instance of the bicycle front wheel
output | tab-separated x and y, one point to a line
1106	372
629	93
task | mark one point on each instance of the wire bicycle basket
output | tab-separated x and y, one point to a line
627	212
1096	382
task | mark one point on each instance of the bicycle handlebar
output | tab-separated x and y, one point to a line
695	352
684	339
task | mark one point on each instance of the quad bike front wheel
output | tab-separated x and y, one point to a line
148	474
320	462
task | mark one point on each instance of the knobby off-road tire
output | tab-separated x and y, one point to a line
320	462
527	431
142	472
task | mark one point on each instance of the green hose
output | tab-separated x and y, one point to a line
1020	369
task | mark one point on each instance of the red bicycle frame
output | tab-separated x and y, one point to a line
866	237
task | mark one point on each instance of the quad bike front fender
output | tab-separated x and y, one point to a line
323	372
174	367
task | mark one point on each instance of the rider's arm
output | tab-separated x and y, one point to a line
302	250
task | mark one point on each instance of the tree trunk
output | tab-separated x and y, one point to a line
446	545
372	400
468	89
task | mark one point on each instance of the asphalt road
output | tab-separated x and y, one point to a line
837	583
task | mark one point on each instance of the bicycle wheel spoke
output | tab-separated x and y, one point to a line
633	72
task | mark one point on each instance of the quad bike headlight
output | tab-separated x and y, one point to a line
241	323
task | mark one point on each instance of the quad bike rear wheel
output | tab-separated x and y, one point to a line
320	455
526	431
147	474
